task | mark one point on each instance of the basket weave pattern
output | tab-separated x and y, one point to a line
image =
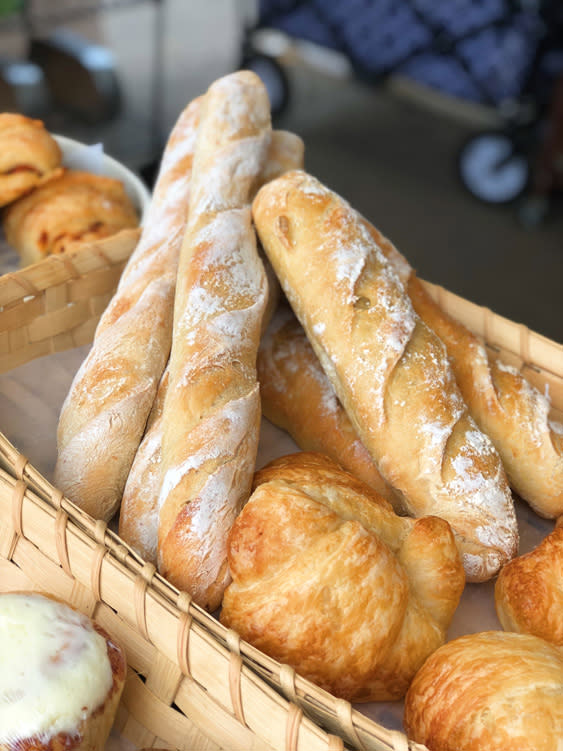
192	683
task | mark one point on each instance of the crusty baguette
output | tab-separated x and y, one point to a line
212	406
298	397
389	370
510	410
528	591
105	412
138	517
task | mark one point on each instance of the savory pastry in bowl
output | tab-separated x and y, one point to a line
61	679
328	579
69	210
28	155
491	690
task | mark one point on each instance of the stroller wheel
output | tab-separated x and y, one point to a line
273	76
491	169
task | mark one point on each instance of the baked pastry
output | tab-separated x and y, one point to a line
529	591
211	416
106	409
67	211
511	411
389	370
298	397
28	155
491	690
62	676
138	517
328	579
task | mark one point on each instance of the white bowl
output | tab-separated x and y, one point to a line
78	155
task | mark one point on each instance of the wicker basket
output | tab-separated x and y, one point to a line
192	683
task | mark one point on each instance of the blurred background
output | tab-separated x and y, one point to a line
440	120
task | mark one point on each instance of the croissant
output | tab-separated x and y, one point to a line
327	578
529	591
28	155
68	210
489	691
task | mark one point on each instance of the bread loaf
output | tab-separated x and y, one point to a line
138	518
328	579
512	412
212	407
62	676
29	155
389	370
529	591
104	414
490	690
298	397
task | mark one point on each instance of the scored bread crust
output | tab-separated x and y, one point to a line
510	410
138	518
298	397
29	155
105	411
212	405
388	368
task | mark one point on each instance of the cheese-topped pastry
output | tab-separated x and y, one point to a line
28	155
61	676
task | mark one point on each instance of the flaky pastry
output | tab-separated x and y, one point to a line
529	590
328	579
67	211
490	691
28	155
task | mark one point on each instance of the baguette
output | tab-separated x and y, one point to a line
212	406
298	397
512	412
138	518
105	412
389	370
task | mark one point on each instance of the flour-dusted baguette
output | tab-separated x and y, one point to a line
298	397
138	517
513	412
105	412
212	406
389	370
510	410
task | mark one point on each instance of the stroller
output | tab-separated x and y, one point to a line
503	55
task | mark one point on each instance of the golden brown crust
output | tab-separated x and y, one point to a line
212	409
389	370
105	412
28	155
513	413
66	212
327	578
298	397
491	690
529	591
